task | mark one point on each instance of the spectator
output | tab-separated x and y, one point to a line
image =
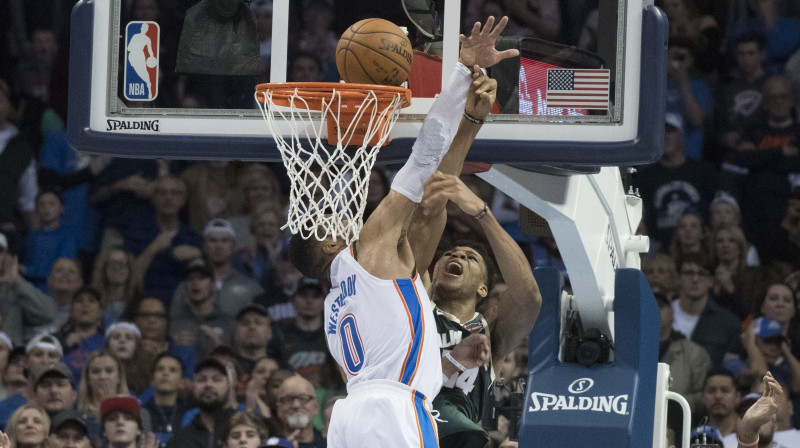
768	350
18	183
281	286
768	151
699	317
783	33
534	18
739	98
686	21
252	336
50	241
785	433
83	333
69	431
674	185
23	308
688	362
122	423
780	304
256	393
6	346
42	350
735	283
36	67
113	279
199	320
297	406
691	236
318	38
162	243
687	96
234	289
211	391
661	273
303	346
28	427
166	406
725	212
124	341
211	187
103	377
53	386
782	241
258	259
305	67
259	185
14	381
720	398
765	433
63	283
152	320
244	430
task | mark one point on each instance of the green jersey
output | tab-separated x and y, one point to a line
461	399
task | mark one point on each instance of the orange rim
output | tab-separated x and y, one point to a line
314	92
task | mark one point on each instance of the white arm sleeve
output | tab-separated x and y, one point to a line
434	139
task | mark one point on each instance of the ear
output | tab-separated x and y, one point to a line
483	290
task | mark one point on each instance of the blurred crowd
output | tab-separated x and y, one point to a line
169	280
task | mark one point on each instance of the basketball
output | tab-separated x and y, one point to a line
152	62
374	51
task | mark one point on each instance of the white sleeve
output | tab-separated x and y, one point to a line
437	133
28	188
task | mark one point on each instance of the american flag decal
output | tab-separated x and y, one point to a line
577	88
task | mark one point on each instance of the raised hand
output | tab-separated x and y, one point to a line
442	187
762	411
481	95
5	442
479	48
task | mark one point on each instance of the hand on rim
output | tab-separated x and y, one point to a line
479	48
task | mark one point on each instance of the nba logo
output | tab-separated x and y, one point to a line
141	61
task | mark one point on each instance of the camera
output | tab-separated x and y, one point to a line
584	347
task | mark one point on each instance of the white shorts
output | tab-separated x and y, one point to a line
382	413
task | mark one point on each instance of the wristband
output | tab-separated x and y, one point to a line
453	361
482	212
473	119
753	443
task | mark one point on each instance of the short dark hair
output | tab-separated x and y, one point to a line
51	189
751	36
720	371
306	255
488	261
694	258
166	355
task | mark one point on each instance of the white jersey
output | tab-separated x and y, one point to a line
381	329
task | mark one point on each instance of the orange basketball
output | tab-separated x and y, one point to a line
374	51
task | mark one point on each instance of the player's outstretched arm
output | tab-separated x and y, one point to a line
429	219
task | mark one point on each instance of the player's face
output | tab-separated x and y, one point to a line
720	395
461	268
243	436
778	303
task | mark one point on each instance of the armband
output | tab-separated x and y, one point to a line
453	361
753	443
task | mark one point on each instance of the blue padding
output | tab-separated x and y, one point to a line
645	148
606	405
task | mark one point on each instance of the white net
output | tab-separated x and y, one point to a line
329	182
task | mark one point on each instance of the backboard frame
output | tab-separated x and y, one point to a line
637	140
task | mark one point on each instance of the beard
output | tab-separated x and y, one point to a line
211	406
298	420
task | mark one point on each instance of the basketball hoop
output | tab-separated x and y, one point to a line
329	182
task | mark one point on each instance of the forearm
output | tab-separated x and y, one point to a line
453	160
424	233
694	111
37	307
